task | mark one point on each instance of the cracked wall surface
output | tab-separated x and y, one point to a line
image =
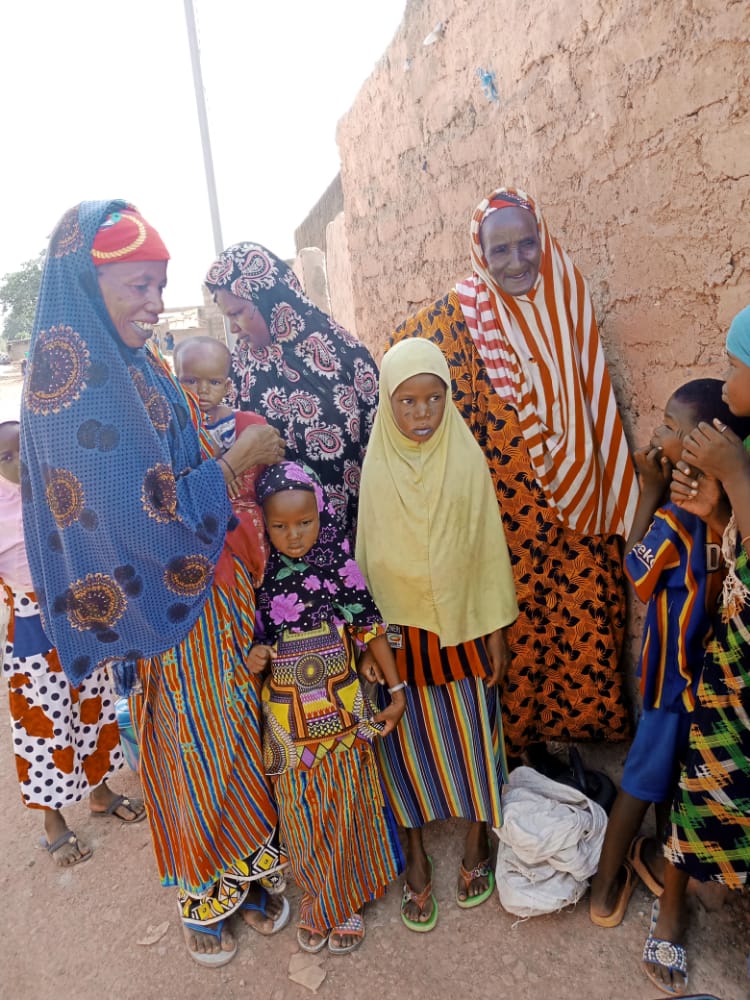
628	120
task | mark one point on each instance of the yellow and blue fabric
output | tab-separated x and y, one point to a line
124	521
676	569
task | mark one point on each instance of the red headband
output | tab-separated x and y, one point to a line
508	200
126	236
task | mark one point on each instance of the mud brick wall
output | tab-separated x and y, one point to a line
629	121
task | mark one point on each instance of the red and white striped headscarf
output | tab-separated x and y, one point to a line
543	355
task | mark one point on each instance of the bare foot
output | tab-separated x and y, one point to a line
263	923
606	895
671	928
207	944
102	798
72	850
417	876
476	853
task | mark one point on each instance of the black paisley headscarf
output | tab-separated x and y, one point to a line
316	383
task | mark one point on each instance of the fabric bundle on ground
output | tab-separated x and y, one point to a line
550	843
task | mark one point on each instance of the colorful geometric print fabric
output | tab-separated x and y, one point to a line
326	585
710	835
564	680
124	523
313	703
65	739
315	383
543	356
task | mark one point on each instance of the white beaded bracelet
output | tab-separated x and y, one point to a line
398	687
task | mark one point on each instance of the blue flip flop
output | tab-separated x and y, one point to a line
211	959
262	907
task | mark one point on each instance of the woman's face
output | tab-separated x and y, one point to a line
510	242
132	292
292	521
736	391
245	320
418	405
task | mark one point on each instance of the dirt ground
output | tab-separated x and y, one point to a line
106	928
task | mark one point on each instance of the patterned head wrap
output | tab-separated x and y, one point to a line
126	236
326	584
738	338
543	355
123	521
315	383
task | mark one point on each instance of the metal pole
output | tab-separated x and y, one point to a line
208	163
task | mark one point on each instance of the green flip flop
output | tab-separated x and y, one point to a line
482	870
420	898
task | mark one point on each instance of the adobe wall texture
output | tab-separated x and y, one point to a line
629	120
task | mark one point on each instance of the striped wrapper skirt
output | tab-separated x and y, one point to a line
342	842
446	757
209	804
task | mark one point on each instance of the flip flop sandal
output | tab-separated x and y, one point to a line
617	915
66	838
303	937
666	954
135	806
212	959
354	927
638	862
261	906
482	870
420	898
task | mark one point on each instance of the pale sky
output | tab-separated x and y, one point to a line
98	102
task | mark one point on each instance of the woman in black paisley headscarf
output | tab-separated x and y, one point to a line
313	381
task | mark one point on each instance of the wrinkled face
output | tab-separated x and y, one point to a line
418	405
510	242
245	320
10	445
736	391
679	421
292	522
132	293
203	372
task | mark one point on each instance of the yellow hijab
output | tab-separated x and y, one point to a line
430	541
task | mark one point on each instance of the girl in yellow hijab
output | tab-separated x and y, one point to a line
431	546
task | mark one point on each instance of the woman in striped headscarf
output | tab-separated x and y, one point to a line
530	380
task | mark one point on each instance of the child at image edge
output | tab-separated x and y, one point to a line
313	606
673	560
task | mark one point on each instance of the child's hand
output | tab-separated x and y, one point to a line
368	669
499	654
260	658
392	714
654	470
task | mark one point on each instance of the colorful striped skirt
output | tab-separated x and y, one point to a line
710	835
65	739
339	832
209	804
446	757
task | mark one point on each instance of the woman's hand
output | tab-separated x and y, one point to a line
260	658
391	715
499	655
715	450
259	444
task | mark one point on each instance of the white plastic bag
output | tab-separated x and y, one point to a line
550	843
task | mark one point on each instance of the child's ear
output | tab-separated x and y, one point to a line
227	386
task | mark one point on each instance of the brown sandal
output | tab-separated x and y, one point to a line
482	870
420	898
